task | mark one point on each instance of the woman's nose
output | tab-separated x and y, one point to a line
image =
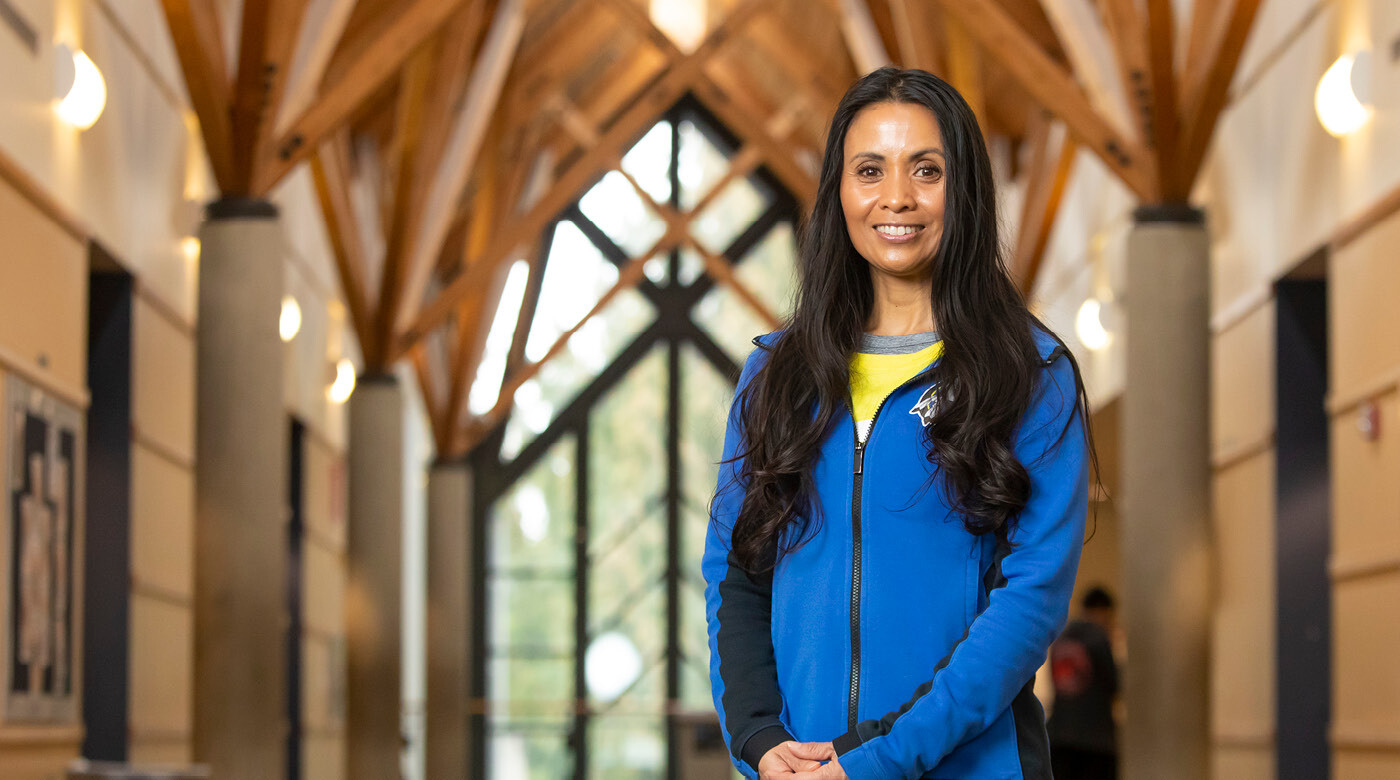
896	194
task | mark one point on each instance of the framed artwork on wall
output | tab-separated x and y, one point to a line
40	555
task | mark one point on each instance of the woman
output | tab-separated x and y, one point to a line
901	503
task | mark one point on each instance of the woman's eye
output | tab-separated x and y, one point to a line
868	170
928	170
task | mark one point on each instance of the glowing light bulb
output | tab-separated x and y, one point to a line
1089	327
189	247
290	321
81	86
344	384
1343	93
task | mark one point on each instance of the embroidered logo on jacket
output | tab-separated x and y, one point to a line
927	406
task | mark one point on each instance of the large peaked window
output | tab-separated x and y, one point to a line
593	495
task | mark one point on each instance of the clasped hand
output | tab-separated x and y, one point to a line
801	761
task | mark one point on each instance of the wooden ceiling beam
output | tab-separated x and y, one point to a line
197	34
1055	89
1128	36
742	121
323	23
660	93
490	205
382	59
1205	17
608	98
1207	90
777	153
454	169
1161	43
804	65
330	170
917	48
1046	179
266	41
863	39
403	216
1079	26
449	81
965	70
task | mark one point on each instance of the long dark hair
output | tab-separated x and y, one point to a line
990	361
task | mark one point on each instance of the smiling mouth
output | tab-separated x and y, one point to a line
898	231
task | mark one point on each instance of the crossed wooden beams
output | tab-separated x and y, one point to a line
449	59
1173	114
604	149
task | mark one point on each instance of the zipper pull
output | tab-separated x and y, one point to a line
860	457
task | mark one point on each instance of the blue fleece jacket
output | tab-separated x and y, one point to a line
908	642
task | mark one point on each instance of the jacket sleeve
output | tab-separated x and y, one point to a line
1027	606
743	673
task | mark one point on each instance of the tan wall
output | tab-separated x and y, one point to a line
1365	562
1242	626
1275	188
44	273
162	535
135	182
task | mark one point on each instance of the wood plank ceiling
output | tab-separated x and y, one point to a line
428	124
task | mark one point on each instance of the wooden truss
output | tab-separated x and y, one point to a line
471	124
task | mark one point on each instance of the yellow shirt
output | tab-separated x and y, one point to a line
874	377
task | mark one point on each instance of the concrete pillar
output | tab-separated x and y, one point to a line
240	655
449	609
1166	496
374	586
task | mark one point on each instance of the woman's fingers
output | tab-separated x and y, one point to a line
816	751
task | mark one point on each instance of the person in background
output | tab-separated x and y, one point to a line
1083	742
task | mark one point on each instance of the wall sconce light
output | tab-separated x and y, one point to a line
189	248
1343	95
81	90
1088	325
344	384
290	321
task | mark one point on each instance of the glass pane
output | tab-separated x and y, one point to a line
649	162
729	321
704	415
769	270
589	351
728	215
529	751
695	684
692	265
658	268
576	275
627	441
533	615
701	164
627	748
486	388
530	687
624	563
615	207
638	615
532	525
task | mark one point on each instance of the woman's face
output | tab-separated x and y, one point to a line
892	188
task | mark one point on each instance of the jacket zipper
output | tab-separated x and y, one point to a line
858	478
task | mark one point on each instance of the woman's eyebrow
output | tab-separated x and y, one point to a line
877	157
